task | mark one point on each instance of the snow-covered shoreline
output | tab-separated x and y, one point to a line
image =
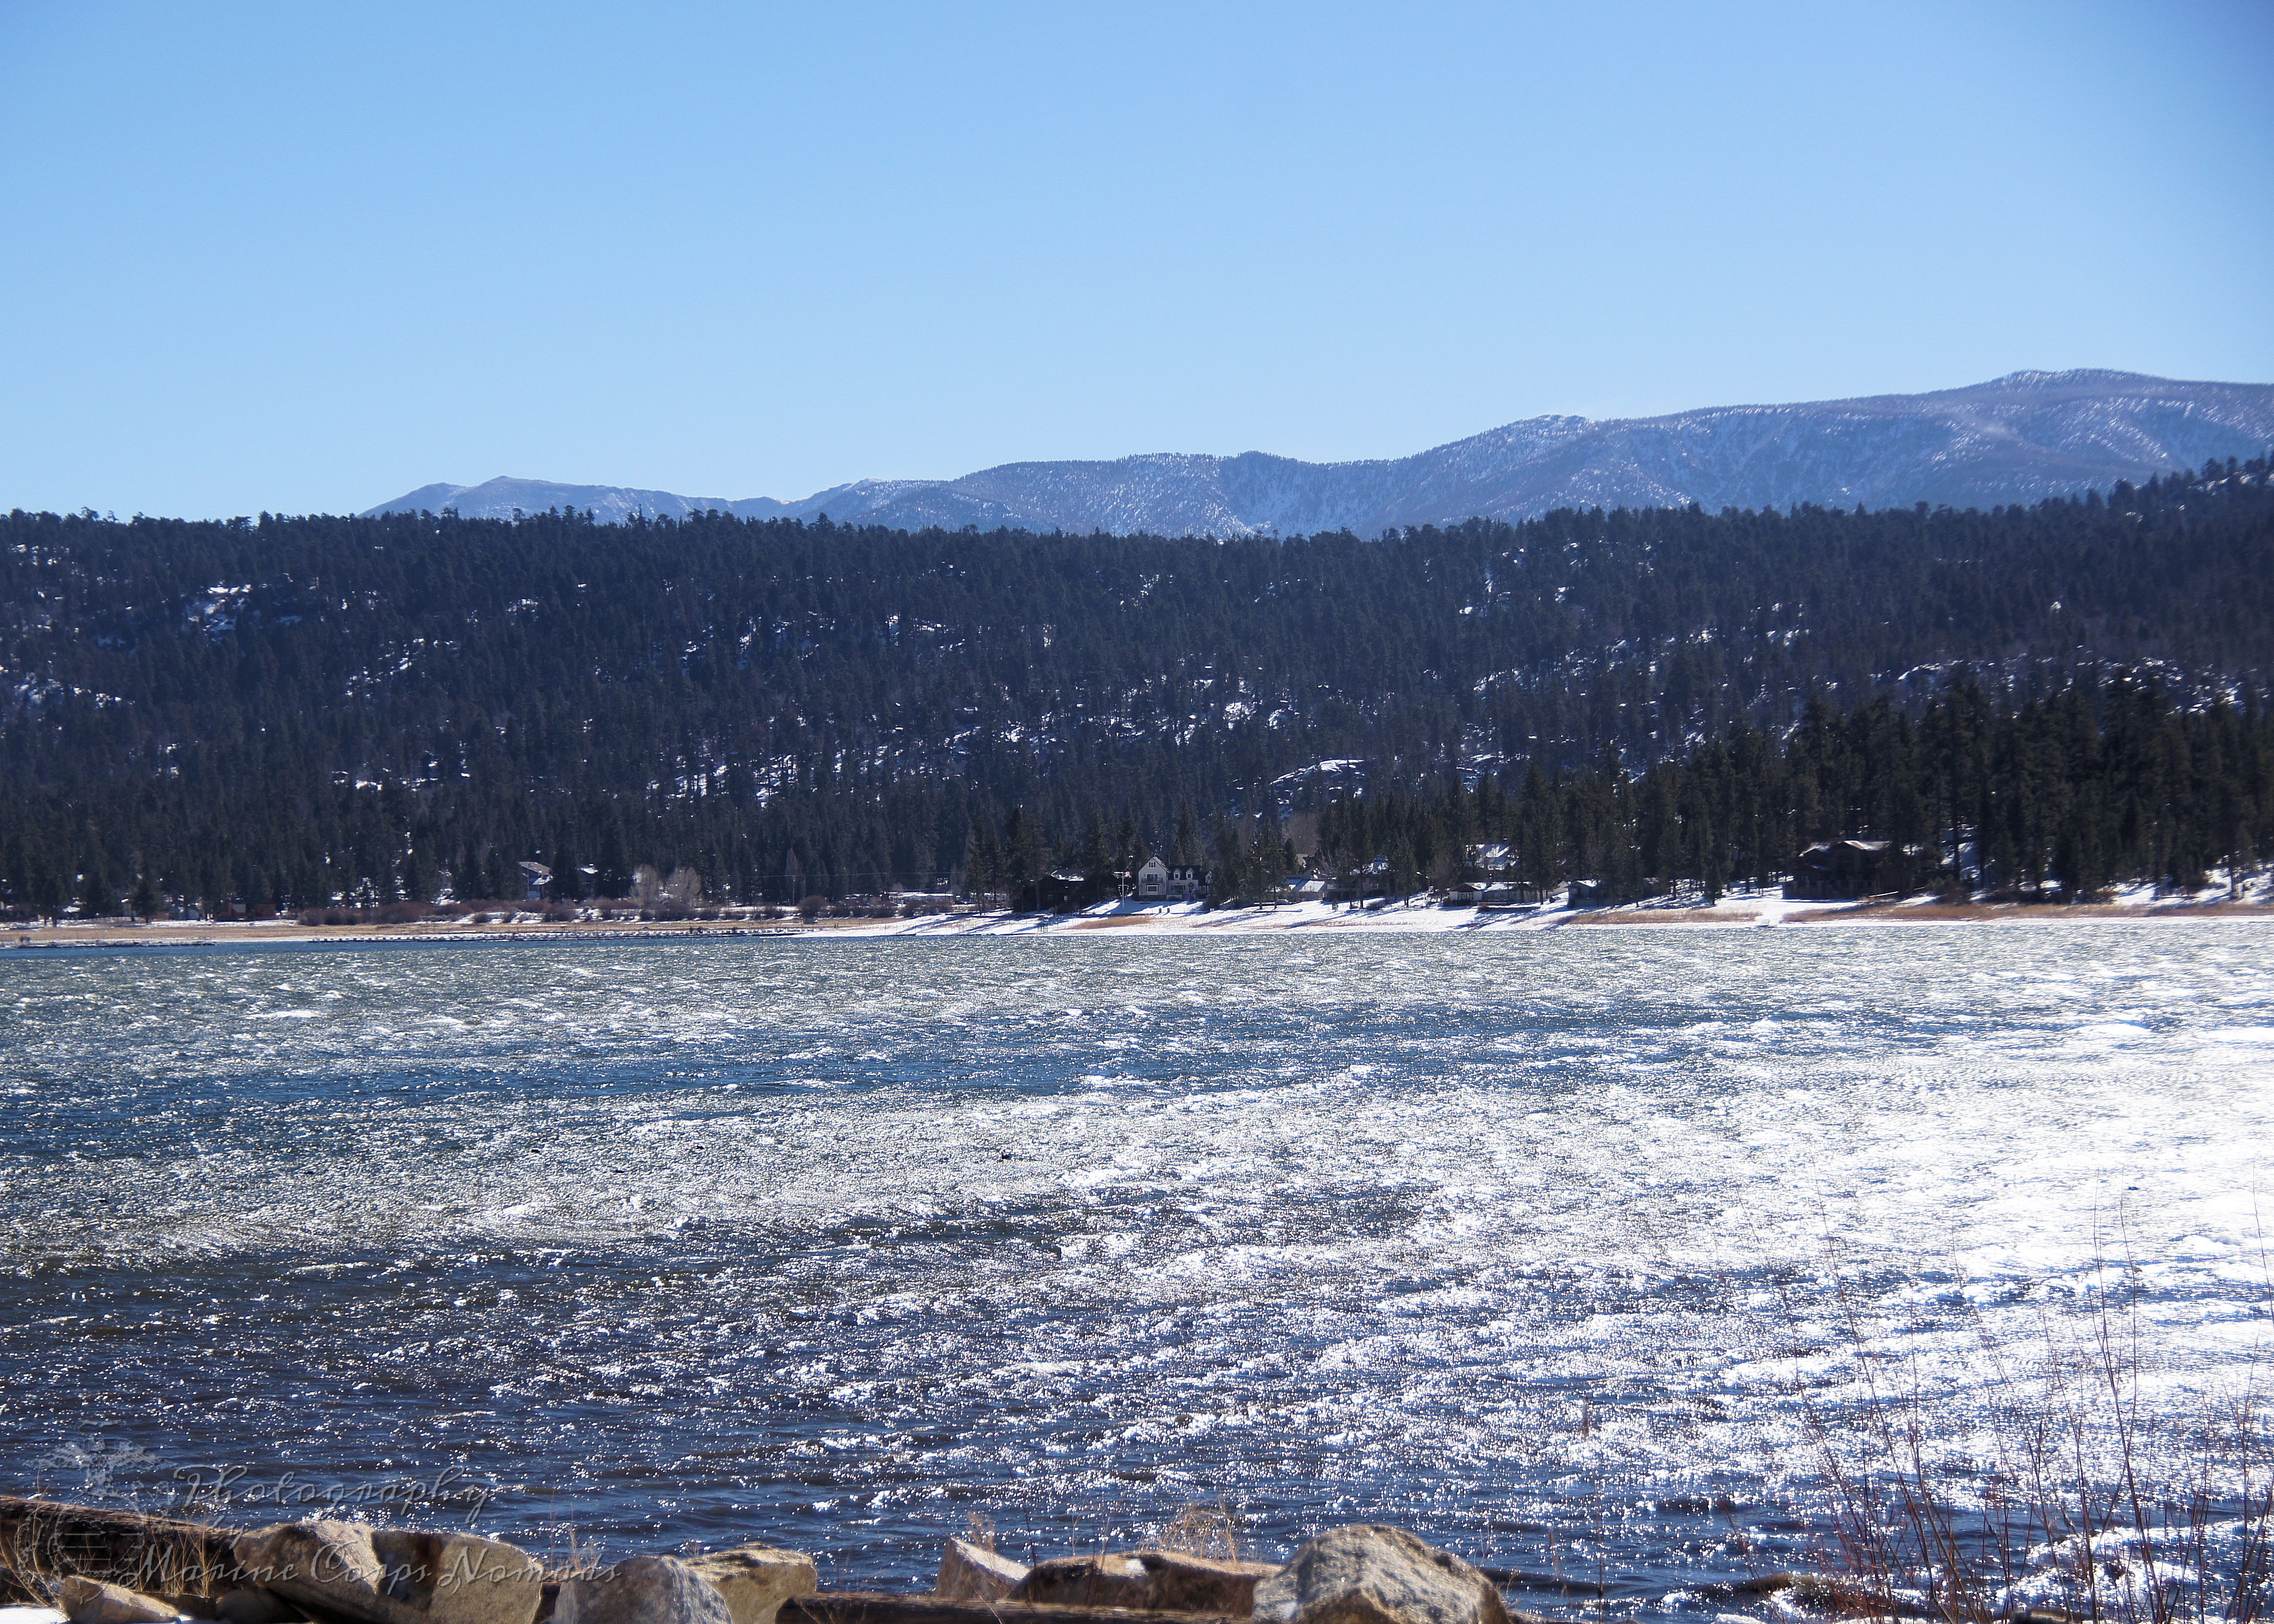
1736	910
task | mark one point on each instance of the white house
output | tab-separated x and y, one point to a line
1160	882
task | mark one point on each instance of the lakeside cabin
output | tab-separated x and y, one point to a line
1841	871
1492	894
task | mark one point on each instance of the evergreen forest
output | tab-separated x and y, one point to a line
284	713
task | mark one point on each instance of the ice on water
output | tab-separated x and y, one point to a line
1530	1243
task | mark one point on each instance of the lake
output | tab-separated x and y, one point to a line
1570	1251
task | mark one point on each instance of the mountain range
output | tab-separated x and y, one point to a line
2017	438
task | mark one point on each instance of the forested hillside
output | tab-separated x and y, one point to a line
2055	798
280	711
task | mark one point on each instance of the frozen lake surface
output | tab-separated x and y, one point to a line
1546	1246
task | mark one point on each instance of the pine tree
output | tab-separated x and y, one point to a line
1185	850
982	874
1097	867
1129	840
1026	860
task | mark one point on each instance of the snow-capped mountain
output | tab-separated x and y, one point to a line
2017	439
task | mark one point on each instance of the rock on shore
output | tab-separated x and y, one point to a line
1155	1581
641	1590
969	1572
1365	1573
353	1573
755	1580
389	1575
92	1601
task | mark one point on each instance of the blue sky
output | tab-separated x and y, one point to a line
305	258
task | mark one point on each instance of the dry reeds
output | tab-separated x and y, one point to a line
2093	1507
43	1542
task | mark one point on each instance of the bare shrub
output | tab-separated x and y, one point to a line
1210	1531
2094	1504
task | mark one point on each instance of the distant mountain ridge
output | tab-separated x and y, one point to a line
2017	438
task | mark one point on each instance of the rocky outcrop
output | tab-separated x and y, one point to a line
755	1580
1156	1581
969	1572
641	1590
898	1607
1369	1574
91	1601
96	1562
386	1575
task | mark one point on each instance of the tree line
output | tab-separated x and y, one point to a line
288	712
2059	798
2063	797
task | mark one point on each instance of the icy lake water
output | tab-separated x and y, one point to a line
1546	1246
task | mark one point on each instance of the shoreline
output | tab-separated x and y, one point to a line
1735	911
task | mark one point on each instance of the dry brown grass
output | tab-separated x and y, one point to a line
42	1542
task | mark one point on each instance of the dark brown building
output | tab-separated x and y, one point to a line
1842	870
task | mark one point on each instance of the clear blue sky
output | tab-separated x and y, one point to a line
304	256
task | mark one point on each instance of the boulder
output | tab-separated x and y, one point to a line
91	1601
641	1590
391	1576
253	1605
755	1580
1158	1581
317	1562
973	1572
1105	1580
1367	1574
1182	1583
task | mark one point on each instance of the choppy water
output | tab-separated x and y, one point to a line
1544	1246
